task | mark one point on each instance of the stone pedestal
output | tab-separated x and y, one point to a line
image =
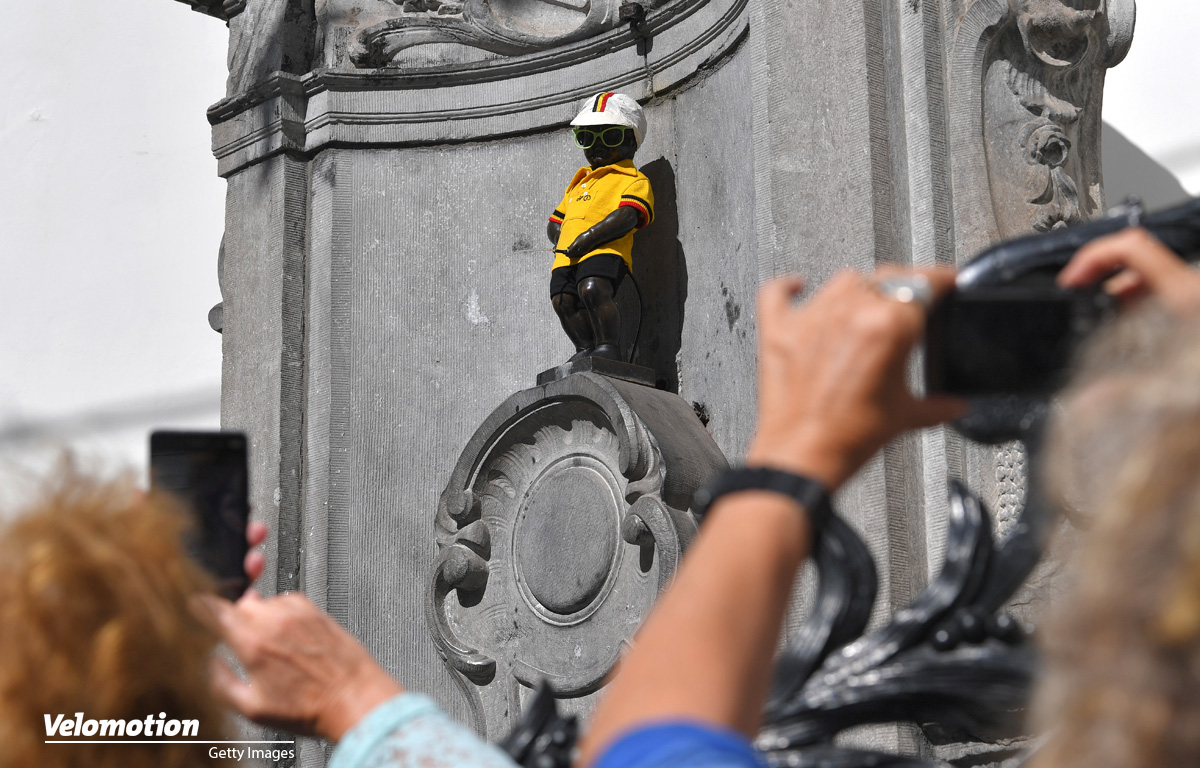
636	374
566	514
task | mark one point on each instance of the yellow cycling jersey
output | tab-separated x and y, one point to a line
591	196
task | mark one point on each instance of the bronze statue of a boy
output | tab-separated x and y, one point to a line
592	228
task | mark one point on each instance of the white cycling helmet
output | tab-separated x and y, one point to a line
610	108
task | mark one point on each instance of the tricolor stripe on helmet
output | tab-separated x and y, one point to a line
602	101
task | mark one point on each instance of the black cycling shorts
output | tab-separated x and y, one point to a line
609	265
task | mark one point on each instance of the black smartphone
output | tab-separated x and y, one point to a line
1014	340
208	472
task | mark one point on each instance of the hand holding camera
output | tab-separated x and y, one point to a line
832	388
1007	337
1134	264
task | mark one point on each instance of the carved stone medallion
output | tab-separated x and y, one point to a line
565	515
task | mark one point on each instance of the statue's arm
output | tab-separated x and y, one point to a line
553	228
615	225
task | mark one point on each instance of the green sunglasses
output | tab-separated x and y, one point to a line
613	136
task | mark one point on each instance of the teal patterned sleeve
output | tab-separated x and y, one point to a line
410	731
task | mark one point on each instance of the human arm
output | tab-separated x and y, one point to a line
305	673
1134	264
831	392
287	672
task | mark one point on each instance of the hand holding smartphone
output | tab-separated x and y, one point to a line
208	472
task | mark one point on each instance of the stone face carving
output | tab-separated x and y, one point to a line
566	514
1038	69
1039	78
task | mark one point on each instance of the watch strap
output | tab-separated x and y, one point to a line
807	492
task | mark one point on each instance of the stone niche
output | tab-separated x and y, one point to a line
390	169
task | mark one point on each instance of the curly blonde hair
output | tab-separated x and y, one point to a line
1122	644
94	618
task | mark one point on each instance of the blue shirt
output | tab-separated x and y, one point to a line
679	745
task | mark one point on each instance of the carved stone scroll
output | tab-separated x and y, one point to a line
1026	78
565	515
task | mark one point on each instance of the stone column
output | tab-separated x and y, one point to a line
391	168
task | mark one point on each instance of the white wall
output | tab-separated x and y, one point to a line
111	210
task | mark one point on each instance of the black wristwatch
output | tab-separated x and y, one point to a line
807	492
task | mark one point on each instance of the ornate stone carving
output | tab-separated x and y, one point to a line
298	83
510	28
1026	80
566	514
268	37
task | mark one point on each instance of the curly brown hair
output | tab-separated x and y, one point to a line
1122	644
94	618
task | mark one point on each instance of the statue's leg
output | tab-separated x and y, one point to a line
599	296
575	321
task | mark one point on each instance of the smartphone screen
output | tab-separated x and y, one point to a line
208	473
1010	341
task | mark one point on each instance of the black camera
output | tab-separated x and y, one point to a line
1006	336
1014	340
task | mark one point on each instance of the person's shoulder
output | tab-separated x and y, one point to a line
670	744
